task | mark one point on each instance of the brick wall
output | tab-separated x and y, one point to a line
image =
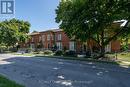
53	35
115	46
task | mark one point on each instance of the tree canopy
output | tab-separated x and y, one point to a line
13	31
93	19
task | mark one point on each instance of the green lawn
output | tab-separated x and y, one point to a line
25	54
124	56
7	83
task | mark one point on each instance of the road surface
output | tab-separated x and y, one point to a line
47	72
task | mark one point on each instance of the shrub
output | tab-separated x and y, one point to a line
124	47
65	48
88	54
59	53
2	49
36	52
13	49
47	52
70	53
28	50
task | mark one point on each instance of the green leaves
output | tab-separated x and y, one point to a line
86	18
13	31
94	20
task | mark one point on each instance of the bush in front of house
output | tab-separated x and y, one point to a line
47	52
28	50
59	53
124	47
70	53
3	48
12	49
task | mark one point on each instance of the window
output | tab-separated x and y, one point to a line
32	46
52	36
59	45
108	48
43	38
55	37
32	39
40	38
59	37
48	46
72	46
48	37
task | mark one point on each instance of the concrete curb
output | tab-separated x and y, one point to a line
81	59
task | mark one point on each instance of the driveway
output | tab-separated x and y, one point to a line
45	72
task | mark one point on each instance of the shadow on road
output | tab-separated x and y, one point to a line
44	72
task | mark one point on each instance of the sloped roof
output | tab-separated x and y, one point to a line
52	30
123	23
56	30
36	33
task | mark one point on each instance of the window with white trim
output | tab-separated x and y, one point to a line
32	39
108	48
52	36
59	37
59	45
43	38
48	37
40	38
32	46
72	45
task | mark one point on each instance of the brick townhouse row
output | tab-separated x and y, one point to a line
57	39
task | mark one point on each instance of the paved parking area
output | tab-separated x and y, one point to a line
46	72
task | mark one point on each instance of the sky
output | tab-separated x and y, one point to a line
40	13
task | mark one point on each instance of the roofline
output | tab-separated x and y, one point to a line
123	22
51	30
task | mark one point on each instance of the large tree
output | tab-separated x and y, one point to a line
93	19
13	31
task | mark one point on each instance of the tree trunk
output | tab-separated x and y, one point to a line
90	47
102	51
102	46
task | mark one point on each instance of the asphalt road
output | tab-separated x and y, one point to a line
45	72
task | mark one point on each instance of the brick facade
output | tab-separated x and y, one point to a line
115	46
58	39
